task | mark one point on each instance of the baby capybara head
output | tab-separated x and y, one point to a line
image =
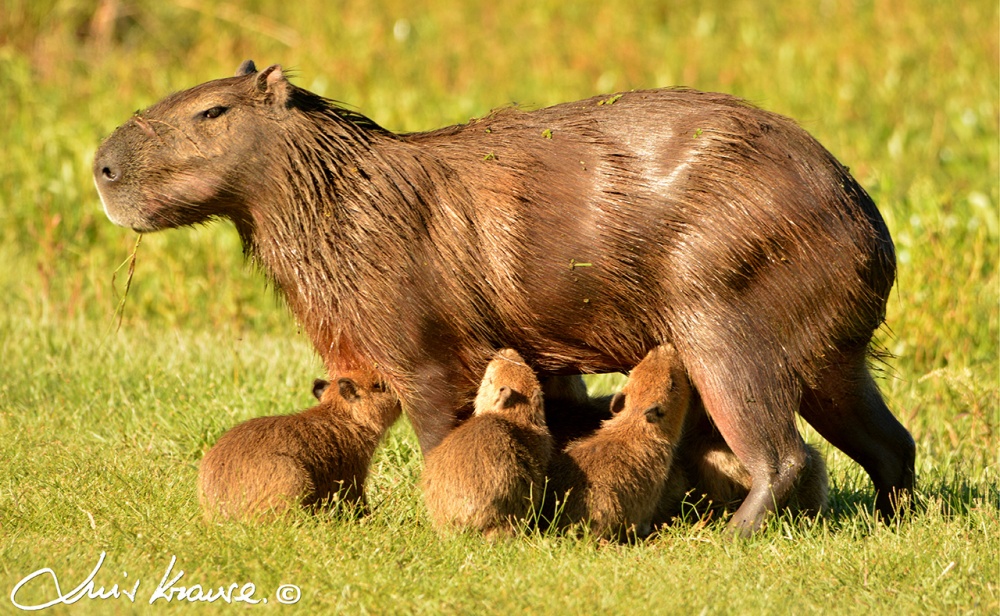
659	388
510	384
361	395
195	155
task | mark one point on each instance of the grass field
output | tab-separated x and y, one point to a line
102	428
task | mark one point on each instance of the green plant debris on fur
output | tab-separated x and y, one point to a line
547	133
573	264
610	100
697	133
489	156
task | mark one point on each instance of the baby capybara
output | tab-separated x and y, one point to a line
709	475
722	480
315	458
582	233
488	474
613	479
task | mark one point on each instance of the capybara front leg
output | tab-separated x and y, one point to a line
847	408
434	408
759	426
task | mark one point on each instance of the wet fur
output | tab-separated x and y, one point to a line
707	476
315	458
488	474
647	217
712	476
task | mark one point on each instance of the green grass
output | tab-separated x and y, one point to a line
101	430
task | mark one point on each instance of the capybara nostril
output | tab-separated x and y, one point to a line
107	170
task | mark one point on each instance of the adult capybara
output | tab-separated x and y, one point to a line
613	480
582	235
315	458
488	474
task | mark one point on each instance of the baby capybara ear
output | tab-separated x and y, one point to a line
504	397
319	386
507	398
348	389
617	403
247	68
654	414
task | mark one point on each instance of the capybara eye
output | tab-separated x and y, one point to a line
214	112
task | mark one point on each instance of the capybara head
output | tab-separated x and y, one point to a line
362	395
509	383
659	388
193	155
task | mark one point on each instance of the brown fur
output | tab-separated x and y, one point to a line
614	479
650	216
705	471
709	475
488	474
722	480
314	458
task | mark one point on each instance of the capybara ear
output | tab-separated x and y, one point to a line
505	397
654	414
319	386
538	399
348	389
247	68
273	86
617	403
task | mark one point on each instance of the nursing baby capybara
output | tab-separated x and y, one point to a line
722	480
582	234
705	473
316	458
709	474
488	474
613	480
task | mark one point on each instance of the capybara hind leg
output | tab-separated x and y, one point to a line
759	426
847	409
812	488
